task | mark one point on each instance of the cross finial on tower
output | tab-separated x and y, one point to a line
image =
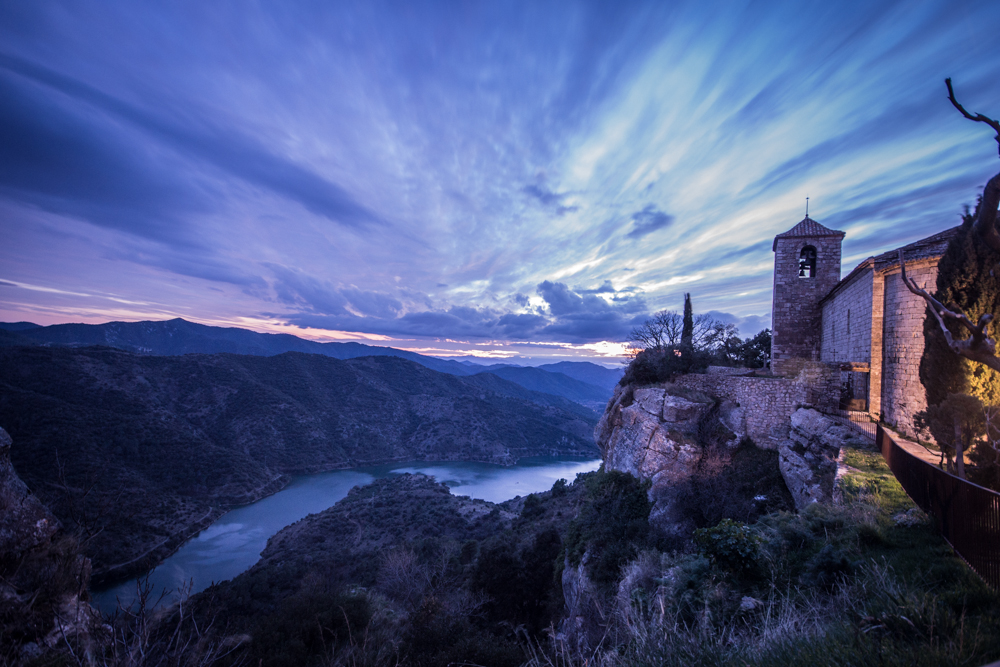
807	207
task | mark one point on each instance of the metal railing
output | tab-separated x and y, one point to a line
967	514
859	422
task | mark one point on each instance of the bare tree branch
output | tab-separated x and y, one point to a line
986	222
978	347
979	118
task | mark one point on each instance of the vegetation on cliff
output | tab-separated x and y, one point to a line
669	344
866	580
401	572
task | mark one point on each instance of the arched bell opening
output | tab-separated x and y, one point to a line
807	262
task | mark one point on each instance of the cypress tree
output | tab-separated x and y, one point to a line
687	331
968	277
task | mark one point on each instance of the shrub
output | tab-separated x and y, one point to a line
613	525
828	567
743	484
532	507
657	365
730	545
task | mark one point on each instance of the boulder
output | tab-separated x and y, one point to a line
808	458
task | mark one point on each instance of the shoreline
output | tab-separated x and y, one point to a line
115	574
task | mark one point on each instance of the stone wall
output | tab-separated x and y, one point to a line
903	345
768	402
847	321
727	370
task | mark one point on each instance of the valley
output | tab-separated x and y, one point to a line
138	453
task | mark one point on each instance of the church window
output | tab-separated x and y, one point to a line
807	262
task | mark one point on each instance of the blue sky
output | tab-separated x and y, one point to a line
504	179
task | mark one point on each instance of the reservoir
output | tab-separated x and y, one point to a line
233	543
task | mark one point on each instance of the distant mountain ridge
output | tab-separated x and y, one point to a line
167	443
583	382
557	384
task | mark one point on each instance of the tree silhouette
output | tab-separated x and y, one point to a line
978	346
687	333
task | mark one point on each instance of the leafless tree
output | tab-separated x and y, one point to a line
711	334
978	346
664	330
661	330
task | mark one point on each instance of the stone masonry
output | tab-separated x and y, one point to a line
903	345
768	402
847	332
795	312
866	323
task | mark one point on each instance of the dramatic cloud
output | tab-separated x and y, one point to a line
487	173
64	161
226	149
566	315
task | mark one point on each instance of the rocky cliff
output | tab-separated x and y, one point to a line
44	610
651	433
674	436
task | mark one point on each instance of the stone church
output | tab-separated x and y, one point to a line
867	323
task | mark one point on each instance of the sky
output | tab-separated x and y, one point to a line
508	180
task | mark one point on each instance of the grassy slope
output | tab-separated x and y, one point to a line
866	582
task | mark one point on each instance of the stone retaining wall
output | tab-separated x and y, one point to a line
727	370
768	402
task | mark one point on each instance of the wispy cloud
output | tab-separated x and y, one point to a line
539	173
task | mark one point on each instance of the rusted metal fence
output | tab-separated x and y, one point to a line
967	514
859	422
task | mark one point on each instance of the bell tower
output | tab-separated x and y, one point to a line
806	268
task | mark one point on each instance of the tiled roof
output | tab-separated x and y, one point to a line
932	246
928	248
808	227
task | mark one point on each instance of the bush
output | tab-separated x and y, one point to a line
743	484
653	365
829	567
613	525
519	583
730	545
532	507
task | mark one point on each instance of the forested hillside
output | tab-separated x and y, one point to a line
140	451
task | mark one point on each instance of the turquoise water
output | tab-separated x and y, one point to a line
233	543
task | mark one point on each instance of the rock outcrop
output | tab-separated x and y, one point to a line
650	433
653	433
43	579
583	624
808	458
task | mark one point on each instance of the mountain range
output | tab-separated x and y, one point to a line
583	382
